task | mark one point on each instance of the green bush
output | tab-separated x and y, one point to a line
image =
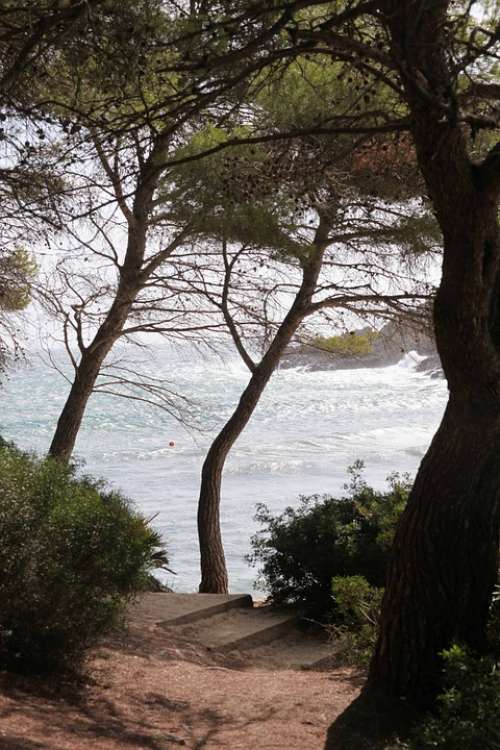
71	556
467	716
357	612
468	713
300	550
348	344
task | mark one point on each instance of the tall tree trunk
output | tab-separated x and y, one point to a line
87	372
70	419
214	578
131	280
445	557
93	356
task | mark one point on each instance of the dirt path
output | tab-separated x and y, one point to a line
147	692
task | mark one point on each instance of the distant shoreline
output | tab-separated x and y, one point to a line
391	345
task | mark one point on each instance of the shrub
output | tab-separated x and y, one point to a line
468	713
71	556
348	344
358	612
467	716
300	550
357	615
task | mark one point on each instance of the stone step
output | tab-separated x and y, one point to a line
296	651
178	609
260	636
242	629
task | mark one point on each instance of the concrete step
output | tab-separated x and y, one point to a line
296	651
179	609
242	629
261	637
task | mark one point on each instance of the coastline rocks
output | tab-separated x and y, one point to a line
389	347
431	365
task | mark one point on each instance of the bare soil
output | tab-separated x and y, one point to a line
154	690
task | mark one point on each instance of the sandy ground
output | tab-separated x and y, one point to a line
151	691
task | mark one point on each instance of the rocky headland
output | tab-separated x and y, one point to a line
387	347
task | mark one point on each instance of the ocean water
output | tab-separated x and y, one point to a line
308	428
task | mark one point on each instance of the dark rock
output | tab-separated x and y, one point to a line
431	365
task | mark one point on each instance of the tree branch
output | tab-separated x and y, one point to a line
228	266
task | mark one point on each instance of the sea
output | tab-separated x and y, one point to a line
308	428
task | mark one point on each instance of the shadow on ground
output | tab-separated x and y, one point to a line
81	721
371	722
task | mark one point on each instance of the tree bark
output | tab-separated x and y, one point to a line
445	558
132	276
214	578
93	356
87	372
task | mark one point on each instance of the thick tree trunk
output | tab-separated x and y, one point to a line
214	578
445	557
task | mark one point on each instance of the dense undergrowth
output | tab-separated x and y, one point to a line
299	551
72	554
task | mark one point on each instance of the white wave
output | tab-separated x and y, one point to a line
411	360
